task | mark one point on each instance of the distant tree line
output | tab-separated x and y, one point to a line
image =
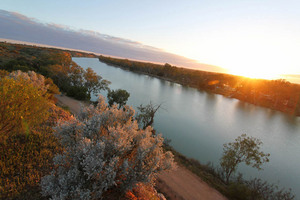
275	94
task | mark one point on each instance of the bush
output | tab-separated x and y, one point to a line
105	153
26	158
22	105
27	144
263	190
45	85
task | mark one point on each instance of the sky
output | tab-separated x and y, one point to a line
259	38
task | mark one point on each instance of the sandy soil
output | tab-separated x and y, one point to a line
178	184
183	184
73	104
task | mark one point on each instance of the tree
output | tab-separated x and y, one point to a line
76	81
93	82
117	96
76	74
105	153
145	117
244	149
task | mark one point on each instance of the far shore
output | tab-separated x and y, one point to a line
220	90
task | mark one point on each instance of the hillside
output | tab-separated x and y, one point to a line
34	151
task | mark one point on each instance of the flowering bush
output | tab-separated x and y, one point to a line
44	85
105	152
22	105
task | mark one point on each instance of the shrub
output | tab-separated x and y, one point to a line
105	153
26	158
45	85
22	105
27	144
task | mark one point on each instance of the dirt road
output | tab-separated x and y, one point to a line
183	184
178	184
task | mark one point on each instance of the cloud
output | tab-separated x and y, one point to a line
16	26
19	16
58	26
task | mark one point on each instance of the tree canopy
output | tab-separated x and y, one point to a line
243	149
118	96
76	81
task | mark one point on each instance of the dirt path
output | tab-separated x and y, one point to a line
73	104
183	184
178	184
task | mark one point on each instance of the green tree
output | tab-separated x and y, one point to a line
117	96
75	75
243	149
76	81
59	75
93	82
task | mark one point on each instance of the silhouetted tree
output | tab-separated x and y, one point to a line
145	116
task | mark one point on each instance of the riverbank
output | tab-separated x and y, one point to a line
277	95
177	184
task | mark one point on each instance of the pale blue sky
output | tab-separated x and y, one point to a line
235	34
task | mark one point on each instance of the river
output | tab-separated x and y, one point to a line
199	123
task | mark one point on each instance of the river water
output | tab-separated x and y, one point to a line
199	123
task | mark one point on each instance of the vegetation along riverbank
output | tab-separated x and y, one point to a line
278	94
29	143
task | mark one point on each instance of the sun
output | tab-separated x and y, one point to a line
255	72
253	61
253	53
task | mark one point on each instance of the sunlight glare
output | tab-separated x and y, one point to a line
255	55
